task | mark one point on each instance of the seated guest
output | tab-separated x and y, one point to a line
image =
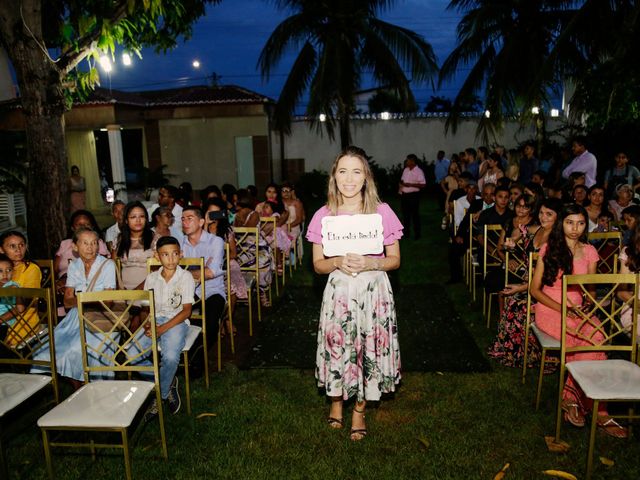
111	235
595	206
272	193
167	197
508	346
462	204
136	244
567	252
630	263
163	223
199	243
7	304
515	190
13	244
580	194
90	272
247	217
498	214
229	195
173	290
272	209
631	218
621	174
211	191
605	219
624	198
217	223
67	252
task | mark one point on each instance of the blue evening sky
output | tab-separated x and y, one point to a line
228	41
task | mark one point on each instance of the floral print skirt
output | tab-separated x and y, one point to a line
508	346
358	352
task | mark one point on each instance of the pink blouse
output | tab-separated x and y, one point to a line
391	226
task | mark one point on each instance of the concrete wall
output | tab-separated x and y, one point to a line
389	141
202	151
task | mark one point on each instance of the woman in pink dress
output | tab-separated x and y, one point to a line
358	353
567	252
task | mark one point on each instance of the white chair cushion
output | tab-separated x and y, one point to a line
546	341
607	379
192	335
106	404
15	388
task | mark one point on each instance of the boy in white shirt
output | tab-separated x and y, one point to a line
173	290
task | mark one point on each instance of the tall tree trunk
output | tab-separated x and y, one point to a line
345	130
43	105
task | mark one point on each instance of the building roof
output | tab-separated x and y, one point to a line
196	95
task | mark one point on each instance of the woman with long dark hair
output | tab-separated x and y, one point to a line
567	252
135	245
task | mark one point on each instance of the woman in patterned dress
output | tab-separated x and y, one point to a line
508	346
358	353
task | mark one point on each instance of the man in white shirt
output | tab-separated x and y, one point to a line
584	161
167	198
111	235
411	182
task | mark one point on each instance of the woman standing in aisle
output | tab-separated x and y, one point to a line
358	353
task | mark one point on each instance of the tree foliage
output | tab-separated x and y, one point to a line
337	43
46	40
522	52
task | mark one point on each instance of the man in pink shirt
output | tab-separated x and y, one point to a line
584	161
411	182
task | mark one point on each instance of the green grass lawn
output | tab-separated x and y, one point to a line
270	423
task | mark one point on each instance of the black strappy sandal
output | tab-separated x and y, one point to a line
358	434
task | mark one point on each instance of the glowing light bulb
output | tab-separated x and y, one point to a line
105	63
126	59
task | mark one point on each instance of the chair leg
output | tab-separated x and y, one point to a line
127	454
47	453
258	304
559	405
489	310
250	312
525	360
543	359
230	317
219	350
163	433
592	438
187	386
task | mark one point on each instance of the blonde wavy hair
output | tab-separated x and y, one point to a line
369	193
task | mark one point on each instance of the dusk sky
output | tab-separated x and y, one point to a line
228	41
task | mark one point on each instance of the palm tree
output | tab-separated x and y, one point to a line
506	44
338	42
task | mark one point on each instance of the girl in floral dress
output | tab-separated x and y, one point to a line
358	353
508	346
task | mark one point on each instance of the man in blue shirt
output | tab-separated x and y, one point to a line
199	243
441	169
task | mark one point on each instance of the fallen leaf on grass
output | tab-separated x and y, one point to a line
206	414
500	475
558	447
560	474
424	442
607	461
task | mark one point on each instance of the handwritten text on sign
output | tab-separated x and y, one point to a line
344	234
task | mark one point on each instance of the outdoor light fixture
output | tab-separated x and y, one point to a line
126	59
196	64
105	63
385	116
535	110
322	117
487	114
555	112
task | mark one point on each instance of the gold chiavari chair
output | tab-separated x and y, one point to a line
109	405
229	308
473	264
491	259
48	280
291	259
199	310
193	332
247	256
533	258
272	223
614	380
31	333
608	245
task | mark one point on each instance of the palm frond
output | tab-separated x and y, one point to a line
289	34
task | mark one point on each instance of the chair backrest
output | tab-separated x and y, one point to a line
113	350
198	308
516	264
247	253
598	326
533	258
31	329
272	223
490	250
608	245
48	280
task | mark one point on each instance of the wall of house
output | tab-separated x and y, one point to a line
389	141
202	151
